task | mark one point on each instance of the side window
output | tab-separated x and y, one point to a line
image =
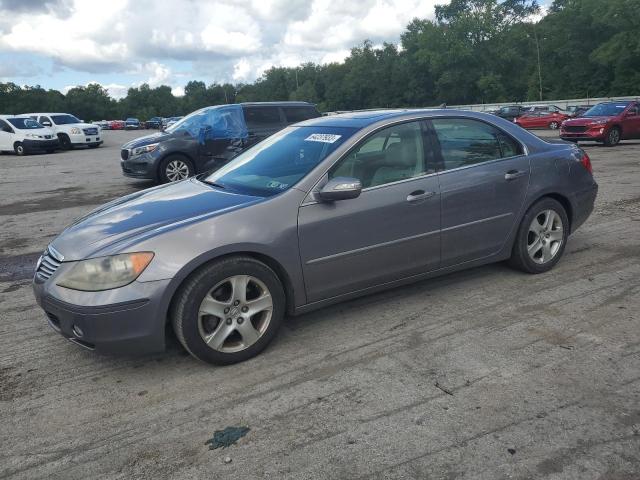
390	155
4	127
298	114
261	117
466	142
44	119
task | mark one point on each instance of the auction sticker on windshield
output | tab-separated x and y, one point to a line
322	137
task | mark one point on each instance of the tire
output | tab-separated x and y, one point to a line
554	125
65	142
19	149
210	289
180	165
546	242
613	137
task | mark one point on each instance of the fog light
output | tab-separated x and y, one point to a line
77	331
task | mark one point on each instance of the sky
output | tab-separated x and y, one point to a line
122	43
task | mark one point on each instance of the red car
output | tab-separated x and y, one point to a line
116	125
607	122
551	120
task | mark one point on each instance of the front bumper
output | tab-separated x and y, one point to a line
129	320
82	139
591	135
40	145
141	166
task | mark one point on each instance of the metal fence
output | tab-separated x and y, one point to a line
563	104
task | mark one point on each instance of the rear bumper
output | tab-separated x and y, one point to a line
583	203
132	326
40	145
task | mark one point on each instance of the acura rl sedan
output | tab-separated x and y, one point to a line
322	211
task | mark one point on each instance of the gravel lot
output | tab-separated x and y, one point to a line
484	374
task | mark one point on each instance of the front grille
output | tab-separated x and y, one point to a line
90	131
124	154
574	129
49	263
48	137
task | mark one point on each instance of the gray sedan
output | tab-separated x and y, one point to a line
323	211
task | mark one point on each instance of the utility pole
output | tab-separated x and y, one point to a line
535	35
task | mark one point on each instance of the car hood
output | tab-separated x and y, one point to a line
144	214
77	125
147	140
583	121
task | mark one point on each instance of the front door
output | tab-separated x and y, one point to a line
389	232
6	136
631	125
484	176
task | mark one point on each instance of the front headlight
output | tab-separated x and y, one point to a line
600	122
145	149
76	131
32	135
106	273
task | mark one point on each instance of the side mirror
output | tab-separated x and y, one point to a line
46	124
340	188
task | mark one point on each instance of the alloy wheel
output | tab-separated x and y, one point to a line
545	236
235	313
614	136
177	170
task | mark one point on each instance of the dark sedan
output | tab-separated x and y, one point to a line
322	211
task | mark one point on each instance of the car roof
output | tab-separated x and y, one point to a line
363	118
48	113
5	117
275	104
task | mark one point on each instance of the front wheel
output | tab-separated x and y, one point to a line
554	125
19	149
229	310
541	238
65	142
613	137
175	168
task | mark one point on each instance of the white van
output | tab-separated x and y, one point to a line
70	131
22	134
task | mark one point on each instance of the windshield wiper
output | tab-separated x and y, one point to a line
214	184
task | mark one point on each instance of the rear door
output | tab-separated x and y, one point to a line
631	125
484	175
262	121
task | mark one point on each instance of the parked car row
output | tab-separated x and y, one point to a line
46	132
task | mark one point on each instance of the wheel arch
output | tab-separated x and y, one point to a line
197	264
560	198
177	153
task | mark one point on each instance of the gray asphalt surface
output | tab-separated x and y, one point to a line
483	374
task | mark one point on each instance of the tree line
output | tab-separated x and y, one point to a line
474	51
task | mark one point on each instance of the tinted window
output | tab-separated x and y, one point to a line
64	119
466	142
43	119
4	126
25	123
262	117
390	155
298	114
279	162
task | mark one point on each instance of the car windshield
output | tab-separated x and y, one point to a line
24	123
64	119
279	162
606	110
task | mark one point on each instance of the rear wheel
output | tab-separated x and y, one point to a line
613	137
65	142
175	168
19	149
541	237
229	310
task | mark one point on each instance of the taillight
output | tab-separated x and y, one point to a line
586	161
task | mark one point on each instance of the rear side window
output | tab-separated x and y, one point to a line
298	114
262	117
465	142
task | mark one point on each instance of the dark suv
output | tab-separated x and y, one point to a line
208	138
510	112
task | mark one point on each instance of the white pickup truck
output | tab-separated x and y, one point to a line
70	131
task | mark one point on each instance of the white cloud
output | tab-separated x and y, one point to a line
218	40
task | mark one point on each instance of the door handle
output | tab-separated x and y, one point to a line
419	195
513	174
